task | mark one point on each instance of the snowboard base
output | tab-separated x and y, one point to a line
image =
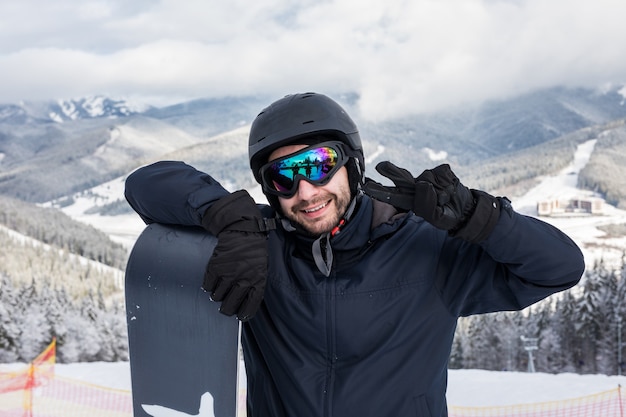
183	352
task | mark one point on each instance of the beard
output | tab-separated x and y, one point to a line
336	204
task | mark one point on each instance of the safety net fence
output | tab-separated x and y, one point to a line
37	392
603	404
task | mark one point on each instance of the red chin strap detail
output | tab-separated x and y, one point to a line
337	228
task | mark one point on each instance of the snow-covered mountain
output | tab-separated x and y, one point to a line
93	107
67	110
505	147
85	142
592	232
542	146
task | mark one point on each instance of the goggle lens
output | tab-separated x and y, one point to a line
317	165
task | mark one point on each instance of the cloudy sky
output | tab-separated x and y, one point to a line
398	54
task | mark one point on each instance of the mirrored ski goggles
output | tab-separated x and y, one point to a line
317	164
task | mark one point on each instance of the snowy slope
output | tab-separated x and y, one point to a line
115	273
123	228
562	185
470	388
466	387
582	229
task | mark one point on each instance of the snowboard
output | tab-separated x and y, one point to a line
183	352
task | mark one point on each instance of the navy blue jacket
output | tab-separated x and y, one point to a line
373	338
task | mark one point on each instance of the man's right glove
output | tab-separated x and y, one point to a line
438	197
237	271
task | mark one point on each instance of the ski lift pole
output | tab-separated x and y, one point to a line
619	344
530	345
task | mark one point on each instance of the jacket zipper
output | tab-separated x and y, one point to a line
331	297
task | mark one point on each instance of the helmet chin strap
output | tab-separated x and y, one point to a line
344	219
337	228
321	248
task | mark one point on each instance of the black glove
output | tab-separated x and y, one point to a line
438	196
237	271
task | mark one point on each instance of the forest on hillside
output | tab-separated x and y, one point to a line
606	171
87	329
577	331
53	227
517	172
580	330
47	292
63	279
55	282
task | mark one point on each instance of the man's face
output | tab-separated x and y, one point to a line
317	208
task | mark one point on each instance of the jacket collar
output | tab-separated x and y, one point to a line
369	220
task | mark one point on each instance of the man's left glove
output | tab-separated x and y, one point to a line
237	271
440	198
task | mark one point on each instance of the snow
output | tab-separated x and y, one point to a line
582	229
98	266
108	374
562	185
123	229
471	388
622	92
466	387
477	388
55	117
69	109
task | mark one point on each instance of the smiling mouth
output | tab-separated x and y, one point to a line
318	208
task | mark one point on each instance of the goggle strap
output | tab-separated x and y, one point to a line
255	225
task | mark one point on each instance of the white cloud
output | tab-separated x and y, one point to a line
420	55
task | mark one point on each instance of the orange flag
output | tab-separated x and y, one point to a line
38	372
42	366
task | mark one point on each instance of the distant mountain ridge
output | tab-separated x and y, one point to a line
75	155
60	111
49	150
93	107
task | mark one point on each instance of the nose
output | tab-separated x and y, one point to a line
306	190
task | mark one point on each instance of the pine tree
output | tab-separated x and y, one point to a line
620	320
9	332
33	324
457	353
606	361
587	320
484	343
568	346
90	340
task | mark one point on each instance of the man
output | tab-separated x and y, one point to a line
350	302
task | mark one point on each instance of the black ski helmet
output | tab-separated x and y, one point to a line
294	118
